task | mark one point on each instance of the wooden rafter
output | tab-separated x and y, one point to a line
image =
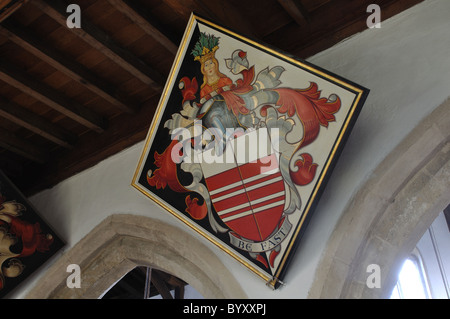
36	124
161	285
185	8
222	12
26	40
296	10
21	147
54	99
145	282
122	132
8	7
226	13
179	292
143	18
104	44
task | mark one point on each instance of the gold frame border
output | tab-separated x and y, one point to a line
271	281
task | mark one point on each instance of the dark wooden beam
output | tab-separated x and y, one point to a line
223	12
179	292
174	281
102	42
21	147
123	132
44	93
161	286
36	124
9	7
140	16
28	41
185	8
226	13
296	10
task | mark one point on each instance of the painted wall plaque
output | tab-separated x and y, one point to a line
26	240
243	142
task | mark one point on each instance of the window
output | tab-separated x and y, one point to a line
149	283
411	282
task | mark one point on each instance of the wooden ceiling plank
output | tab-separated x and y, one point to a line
226	13
22	147
185	8
296	10
104	43
9	7
140	16
75	71
123	131
51	97
222	12
36	124
182	9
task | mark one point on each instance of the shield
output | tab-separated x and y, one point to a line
252	204
246	186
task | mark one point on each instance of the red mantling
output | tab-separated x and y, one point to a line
313	111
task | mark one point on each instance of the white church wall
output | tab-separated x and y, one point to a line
406	66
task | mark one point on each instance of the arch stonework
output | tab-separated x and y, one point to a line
122	242
389	214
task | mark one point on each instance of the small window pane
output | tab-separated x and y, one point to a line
410	283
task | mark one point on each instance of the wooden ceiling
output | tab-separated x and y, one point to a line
70	98
145	283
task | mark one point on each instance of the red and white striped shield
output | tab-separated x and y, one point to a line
247	189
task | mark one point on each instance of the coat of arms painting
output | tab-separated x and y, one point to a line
26	240
243	142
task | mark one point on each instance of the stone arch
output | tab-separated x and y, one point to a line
122	242
389	214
